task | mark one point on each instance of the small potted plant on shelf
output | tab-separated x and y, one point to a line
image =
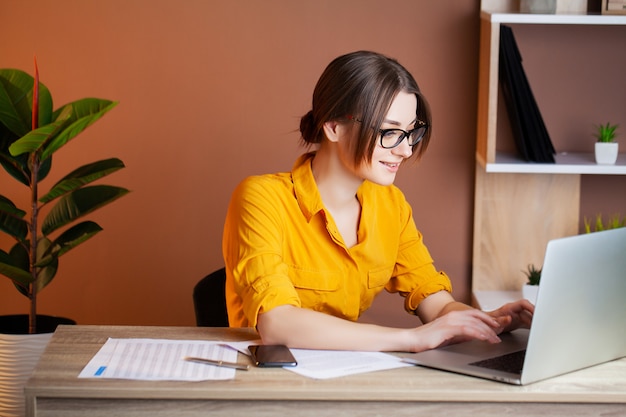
606	149
531	287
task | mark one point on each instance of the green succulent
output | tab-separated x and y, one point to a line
599	225
533	274
605	133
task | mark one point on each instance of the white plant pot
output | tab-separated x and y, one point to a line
606	152
538	6
18	356
529	292
19	353
553	6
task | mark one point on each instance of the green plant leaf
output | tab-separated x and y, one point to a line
11	219
46	273
21	259
16	98
79	203
69	239
9	269
82	176
613	222
16	101
36	139
605	133
84	113
16	167
14	106
9	207
20	255
534	274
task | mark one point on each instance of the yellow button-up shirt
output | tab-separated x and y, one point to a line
282	247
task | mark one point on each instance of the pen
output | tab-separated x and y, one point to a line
214	362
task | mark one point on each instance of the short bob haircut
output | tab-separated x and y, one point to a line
362	85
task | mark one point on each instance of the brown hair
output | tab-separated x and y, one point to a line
363	85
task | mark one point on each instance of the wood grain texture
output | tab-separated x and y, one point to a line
55	390
487	92
515	216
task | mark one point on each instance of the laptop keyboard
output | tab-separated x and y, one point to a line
511	362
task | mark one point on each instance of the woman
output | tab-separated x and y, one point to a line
306	252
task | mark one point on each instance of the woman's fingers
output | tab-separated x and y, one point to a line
463	325
470	323
514	315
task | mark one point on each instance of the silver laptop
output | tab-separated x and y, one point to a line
579	320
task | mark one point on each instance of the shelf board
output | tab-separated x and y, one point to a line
555	19
566	163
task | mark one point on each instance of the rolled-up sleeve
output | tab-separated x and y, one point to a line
257	278
415	276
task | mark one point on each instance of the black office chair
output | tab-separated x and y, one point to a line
209	300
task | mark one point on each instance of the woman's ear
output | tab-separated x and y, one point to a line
332	130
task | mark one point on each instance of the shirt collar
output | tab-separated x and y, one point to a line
305	187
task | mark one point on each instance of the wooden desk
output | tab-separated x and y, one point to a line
55	390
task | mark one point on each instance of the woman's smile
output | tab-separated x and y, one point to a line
391	166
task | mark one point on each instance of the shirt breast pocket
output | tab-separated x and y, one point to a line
318	290
317	281
379	277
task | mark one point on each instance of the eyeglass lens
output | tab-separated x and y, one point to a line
390	138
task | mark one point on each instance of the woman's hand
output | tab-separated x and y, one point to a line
448	321
456	326
513	315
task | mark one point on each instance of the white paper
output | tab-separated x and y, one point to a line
159	359
163	360
324	364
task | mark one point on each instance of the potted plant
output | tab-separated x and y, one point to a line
606	149
30	133
531	287
612	222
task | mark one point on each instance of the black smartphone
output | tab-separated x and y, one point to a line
272	355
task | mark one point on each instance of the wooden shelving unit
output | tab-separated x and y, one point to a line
566	163
520	206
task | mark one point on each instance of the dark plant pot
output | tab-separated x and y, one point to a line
18	323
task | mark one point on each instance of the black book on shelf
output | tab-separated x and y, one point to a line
529	131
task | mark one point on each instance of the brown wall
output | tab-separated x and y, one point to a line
210	92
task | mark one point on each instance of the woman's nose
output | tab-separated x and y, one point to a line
403	149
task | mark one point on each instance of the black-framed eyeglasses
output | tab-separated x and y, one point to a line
390	138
